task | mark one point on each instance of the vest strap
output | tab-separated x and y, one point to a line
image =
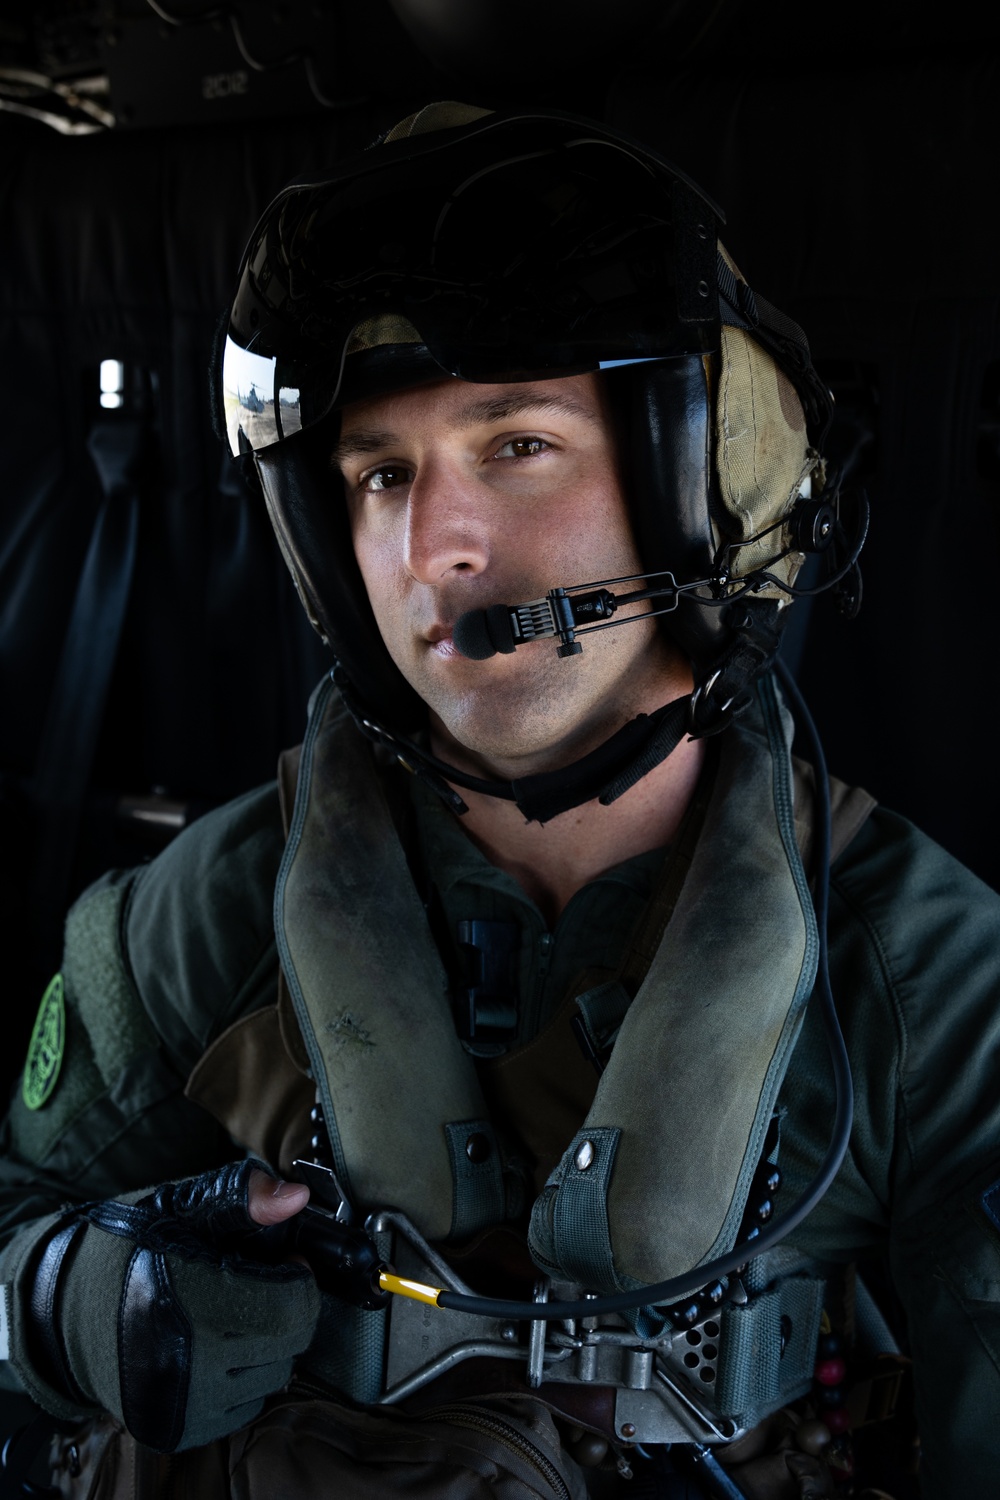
371	996
695	1072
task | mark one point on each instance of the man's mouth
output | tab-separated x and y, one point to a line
439	639
440	635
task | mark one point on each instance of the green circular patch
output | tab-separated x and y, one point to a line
45	1050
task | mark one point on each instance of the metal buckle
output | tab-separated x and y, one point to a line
656	1400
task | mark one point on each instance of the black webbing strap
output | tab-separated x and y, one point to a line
695	236
666	737
607	771
740	300
723	690
604	773
83	678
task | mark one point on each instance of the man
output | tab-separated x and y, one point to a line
544	926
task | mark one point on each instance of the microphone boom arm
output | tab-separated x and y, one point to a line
567	613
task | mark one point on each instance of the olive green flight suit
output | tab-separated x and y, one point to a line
160	961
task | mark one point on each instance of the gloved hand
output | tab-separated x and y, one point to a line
154	1310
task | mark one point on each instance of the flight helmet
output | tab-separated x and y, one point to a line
521	245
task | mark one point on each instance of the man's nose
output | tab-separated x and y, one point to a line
447	528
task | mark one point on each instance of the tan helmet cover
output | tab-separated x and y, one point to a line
762	456
443	114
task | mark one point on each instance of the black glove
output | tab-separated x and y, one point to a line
153	1310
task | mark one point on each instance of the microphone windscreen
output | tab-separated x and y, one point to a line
481	633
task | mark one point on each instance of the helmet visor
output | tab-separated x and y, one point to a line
519	248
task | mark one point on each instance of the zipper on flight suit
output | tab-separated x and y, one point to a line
479	1419
531	1005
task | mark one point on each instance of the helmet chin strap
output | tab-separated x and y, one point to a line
603	774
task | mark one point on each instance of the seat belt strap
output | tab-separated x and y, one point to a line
83	678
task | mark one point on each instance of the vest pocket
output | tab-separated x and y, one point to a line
767	1350
504	1449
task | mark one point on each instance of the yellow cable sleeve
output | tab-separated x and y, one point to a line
416	1290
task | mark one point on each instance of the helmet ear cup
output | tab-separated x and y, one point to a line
664	417
309	516
715	450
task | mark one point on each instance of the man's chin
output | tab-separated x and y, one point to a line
476	743
507	719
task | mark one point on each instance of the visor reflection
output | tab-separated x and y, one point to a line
517	251
248	398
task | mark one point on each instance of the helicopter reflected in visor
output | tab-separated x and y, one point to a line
248	395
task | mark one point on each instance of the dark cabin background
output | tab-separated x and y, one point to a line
153	658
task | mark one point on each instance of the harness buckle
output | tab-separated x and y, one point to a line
486	1006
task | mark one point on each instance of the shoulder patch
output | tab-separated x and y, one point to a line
45	1050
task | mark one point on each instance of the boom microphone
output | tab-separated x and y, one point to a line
482	633
583	607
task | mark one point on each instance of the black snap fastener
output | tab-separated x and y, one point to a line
477	1148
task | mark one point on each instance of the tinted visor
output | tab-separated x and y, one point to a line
517	248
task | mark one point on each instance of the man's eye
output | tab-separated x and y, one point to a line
388	477
525	447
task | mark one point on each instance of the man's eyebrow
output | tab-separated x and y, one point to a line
489	409
359	444
517	403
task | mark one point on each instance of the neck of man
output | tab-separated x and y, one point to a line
552	861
